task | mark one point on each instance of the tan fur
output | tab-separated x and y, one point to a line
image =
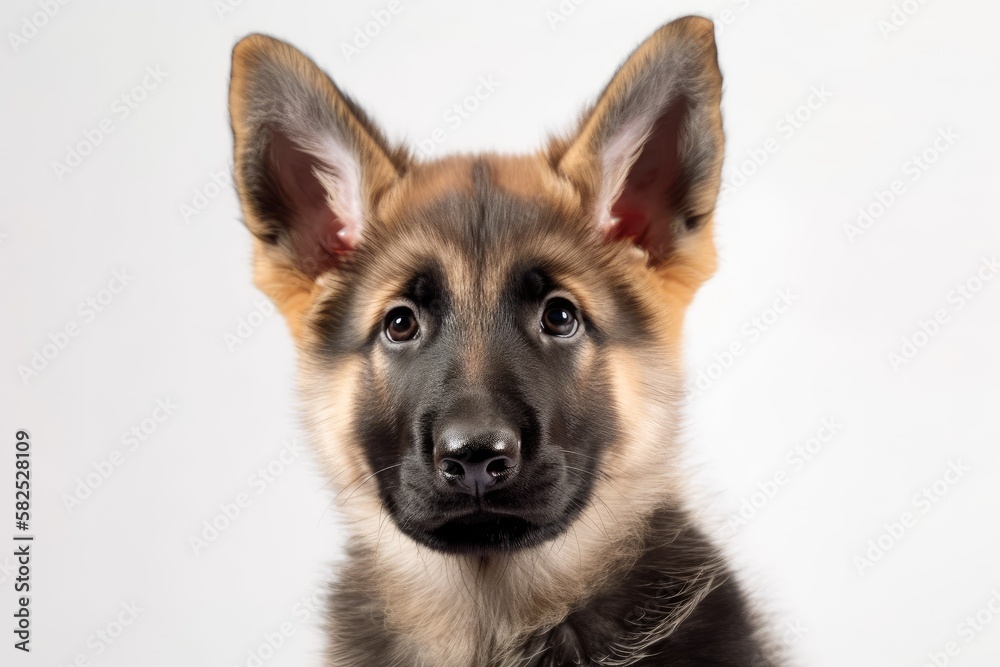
693	259
452	607
567	175
291	289
448	604
464	610
576	158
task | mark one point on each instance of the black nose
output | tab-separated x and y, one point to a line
475	458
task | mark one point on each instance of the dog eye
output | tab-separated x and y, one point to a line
401	325
559	319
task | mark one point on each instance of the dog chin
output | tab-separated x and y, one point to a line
485	533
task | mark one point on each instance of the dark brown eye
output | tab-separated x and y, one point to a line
559	318
401	325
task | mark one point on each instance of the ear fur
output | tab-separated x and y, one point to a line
309	167
647	157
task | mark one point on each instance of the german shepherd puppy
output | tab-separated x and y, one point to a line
490	368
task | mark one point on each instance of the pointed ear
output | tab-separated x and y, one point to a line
309	166
648	156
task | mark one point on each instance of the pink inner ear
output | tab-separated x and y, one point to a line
316	230
648	202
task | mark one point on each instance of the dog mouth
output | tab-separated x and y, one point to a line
499	521
483	531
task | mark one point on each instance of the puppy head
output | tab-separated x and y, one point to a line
487	343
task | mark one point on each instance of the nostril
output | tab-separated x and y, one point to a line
499	465
473	458
451	467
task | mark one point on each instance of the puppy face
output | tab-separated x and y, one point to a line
486	342
483	395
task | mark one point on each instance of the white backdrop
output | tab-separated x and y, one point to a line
848	451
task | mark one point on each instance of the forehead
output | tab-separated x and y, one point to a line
524	177
476	223
472	231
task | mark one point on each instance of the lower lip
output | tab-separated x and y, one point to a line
484	516
490	530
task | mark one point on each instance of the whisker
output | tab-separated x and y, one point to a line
606	478
371	476
597	460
